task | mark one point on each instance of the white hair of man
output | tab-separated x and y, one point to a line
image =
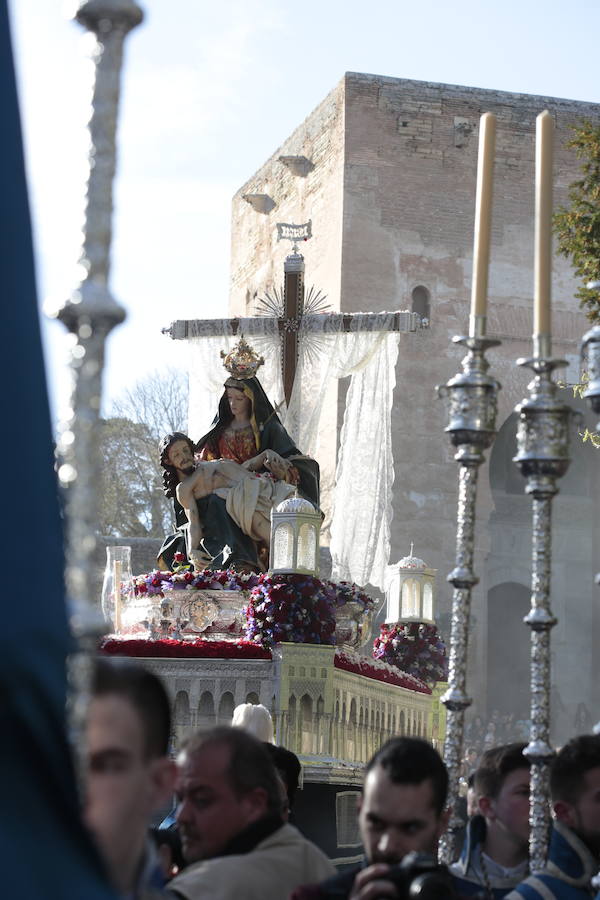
255	719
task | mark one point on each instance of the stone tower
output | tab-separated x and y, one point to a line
385	168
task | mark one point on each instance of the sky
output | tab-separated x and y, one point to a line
209	92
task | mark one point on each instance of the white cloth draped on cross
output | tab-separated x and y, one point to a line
367	354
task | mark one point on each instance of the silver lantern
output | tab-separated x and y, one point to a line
295	530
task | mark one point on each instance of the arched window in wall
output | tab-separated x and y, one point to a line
226	705
421	301
292	723
574	540
351	742
320	724
306	724
182	709
206	710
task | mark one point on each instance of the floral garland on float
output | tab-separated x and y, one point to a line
300	609
175	649
414	647
166	648
294	607
350	661
160	583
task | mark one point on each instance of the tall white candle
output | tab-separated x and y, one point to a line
544	137
483	219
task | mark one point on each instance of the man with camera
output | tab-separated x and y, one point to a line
401	811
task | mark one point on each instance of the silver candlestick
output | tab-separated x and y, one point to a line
90	314
590	362
472	397
543	457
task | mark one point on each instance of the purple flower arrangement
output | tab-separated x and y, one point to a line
157	583
348	592
297	608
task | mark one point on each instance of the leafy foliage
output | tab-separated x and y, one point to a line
577	227
132	503
578	391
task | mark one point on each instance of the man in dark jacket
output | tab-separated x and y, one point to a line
574	852
401	810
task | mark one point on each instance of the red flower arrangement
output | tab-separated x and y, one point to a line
378	670
168	648
414	647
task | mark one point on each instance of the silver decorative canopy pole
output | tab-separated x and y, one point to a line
542	456
90	314
473	396
590	362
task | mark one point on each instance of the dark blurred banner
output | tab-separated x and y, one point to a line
44	850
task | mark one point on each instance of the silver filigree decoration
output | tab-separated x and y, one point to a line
90	314
472	404
200	613
590	361
543	457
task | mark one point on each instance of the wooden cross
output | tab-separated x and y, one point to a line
289	322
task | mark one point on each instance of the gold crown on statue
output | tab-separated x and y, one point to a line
242	362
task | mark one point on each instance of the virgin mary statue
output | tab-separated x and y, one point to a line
247	430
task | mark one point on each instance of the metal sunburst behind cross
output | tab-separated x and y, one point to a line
292	301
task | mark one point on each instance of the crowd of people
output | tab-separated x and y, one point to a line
504	728
501	728
230	836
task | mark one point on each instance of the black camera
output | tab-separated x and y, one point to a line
420	876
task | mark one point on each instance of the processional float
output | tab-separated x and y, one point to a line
542	439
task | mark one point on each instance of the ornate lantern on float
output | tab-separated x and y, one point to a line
295	530
410	591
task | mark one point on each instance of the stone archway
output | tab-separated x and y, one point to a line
508	641
573	593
